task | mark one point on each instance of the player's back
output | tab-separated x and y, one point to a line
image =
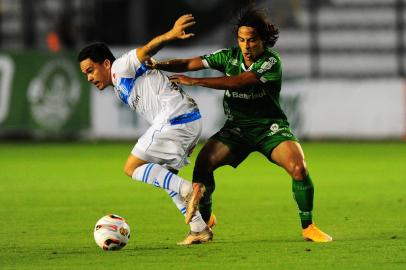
149	92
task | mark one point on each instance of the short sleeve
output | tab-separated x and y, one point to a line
216	60
268	70
126	65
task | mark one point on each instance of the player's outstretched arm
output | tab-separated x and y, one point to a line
177	32
239	82
178	65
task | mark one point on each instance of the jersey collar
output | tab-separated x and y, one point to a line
246	69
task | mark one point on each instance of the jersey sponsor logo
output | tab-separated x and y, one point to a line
247	96
175	87
137	99
267	65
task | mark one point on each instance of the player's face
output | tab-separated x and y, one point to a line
250	43
97	74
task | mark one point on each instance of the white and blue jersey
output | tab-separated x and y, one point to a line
174	116
150	93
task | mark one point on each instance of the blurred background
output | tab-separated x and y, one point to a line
343	60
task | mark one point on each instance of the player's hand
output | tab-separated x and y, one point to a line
181	79
181	24
151	63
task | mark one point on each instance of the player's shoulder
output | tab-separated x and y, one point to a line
272	56
127	64
222	57
222	51
269	59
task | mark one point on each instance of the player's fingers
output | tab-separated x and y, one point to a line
174	78
186	25
188	19
185	36
150	65
185	18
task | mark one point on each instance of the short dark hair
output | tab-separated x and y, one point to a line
97	52
259	20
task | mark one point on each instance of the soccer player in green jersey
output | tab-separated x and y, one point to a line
255	120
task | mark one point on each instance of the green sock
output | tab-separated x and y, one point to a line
303	192
205	203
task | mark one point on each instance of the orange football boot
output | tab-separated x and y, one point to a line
312	233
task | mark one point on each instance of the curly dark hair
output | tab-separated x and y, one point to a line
259	20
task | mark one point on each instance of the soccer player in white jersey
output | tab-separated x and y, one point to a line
174	117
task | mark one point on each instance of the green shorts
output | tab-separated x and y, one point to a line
262	136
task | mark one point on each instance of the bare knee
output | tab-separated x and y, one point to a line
213	155
130	167
129	170
297	170
206	163
132	164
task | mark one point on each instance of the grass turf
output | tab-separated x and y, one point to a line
52	195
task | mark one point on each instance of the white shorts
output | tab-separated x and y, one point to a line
168	145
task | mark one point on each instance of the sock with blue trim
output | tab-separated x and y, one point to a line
197	224
156	175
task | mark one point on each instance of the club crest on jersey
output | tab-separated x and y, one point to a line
274	127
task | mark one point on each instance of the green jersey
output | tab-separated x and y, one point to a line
257	102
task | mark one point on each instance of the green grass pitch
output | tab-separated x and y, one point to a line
51	195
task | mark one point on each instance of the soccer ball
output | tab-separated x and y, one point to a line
111	232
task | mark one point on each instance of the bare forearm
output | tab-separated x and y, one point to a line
179	65
177	32
152	47
243	81
221	83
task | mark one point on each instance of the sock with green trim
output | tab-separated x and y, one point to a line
303	192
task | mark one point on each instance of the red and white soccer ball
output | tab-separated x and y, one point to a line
111	232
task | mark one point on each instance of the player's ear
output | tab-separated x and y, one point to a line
107	63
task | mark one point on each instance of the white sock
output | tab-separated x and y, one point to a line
197	224
155	174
